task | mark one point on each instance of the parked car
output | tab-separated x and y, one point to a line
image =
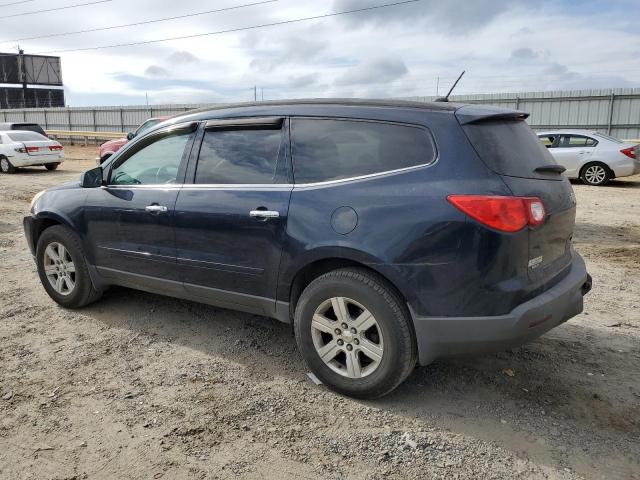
594	158
31	127
26	148
112	146
385	232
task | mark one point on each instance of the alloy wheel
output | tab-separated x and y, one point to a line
59	268
595	174
347	337
4	165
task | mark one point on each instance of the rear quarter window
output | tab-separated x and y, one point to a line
509	147
328	149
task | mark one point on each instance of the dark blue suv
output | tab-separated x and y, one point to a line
387	233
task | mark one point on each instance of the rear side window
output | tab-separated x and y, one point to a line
239	156
509	147
32	127
576	141
26	137
335	149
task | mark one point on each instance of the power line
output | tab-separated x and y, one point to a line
16	3
66	7
146	22
197	35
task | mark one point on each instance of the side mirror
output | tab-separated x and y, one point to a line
91	178
131	136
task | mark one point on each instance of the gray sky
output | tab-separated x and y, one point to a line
514	45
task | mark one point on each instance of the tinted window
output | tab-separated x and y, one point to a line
509	147
238	156
26	137
609	137
547	140
575	141
334	149
153	164
33	127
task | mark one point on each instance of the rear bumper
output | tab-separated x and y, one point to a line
439	337
30	160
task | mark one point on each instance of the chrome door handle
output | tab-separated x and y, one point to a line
264	214
156	209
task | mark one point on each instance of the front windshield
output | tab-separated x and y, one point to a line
146	126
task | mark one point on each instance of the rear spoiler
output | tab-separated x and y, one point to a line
478	113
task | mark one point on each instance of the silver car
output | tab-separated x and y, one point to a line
25	148
593	157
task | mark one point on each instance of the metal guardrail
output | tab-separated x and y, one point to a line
83	135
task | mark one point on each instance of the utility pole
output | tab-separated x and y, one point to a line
262	93
22	76
147	95
255	93
437	86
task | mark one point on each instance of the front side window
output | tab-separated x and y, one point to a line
325	149
239	156
154	164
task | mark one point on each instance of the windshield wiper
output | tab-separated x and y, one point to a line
551	169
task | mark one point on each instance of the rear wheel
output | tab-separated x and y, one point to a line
62	268
354	333
596	174
5	166
52	166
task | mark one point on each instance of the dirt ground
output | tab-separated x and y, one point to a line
144	386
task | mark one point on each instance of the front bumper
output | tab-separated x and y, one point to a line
439	337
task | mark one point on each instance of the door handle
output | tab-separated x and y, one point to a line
156	209
264	214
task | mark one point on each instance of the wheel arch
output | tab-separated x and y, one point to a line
591	162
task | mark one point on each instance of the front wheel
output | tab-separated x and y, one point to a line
596	174
62	268
354	333
6	166
52	166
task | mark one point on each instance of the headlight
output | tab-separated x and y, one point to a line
35	199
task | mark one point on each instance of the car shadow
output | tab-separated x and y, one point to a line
625	182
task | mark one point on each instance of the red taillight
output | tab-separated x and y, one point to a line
55	148
507	214
629	152
32	149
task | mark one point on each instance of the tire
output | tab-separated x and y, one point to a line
596	174
52	166
6	166
392	336
83	292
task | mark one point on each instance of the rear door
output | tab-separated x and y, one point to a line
511	149
572	151
231	218
129	221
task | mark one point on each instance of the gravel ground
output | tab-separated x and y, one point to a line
144	386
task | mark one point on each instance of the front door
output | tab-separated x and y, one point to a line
130	220
231	221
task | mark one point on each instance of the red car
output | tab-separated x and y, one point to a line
112	146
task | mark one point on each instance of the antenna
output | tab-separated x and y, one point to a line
446	98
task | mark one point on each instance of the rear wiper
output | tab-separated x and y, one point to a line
551	169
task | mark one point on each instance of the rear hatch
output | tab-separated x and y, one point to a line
509	147
35	144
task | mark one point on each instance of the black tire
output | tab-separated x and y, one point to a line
52	166
377	296
6	166
596	174
84	292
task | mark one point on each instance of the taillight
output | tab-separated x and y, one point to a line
55	148
507	214
629	152
32	149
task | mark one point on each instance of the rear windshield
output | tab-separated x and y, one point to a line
609	137
509	147
32	127
26	137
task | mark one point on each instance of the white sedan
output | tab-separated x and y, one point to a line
594	158
22	148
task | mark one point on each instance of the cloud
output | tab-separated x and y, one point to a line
303	80
376	71
182	58
156	71
523	54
